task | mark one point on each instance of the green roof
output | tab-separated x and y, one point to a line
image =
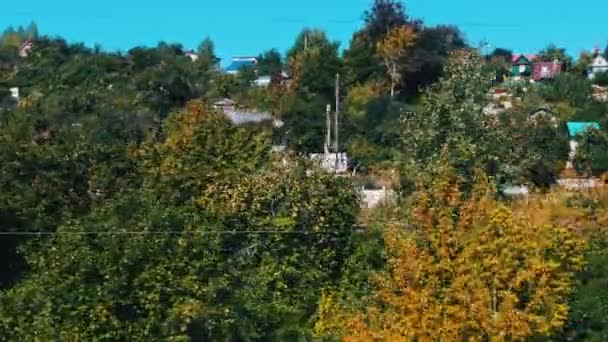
576	128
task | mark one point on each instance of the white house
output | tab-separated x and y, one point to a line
598	65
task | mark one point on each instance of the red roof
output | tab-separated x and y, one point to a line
545	70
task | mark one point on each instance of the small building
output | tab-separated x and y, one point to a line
374	198
576	129
331	162
240	63
522	66
247	117
546	70
15	93
224	105
192	55
598	65
262	81
26	49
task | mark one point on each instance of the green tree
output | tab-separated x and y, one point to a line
314	63
552	52
270	63
238	249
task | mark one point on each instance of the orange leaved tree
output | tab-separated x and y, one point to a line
462	268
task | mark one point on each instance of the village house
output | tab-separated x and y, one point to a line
240	63
598	65
527	67
521	66
26	49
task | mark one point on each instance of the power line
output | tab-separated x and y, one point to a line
359	20
209	232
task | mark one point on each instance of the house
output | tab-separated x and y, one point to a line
574	130
224	105
26	49
192	55
522	67
546	70
598	65
240	63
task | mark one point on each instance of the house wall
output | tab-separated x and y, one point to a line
374	198
572	154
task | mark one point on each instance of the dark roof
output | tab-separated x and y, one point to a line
239	65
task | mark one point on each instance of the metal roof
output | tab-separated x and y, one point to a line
576	128
239	117
238	65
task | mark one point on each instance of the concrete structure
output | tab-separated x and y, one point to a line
331	162
262	81
15	93
578	183
375	198
516	190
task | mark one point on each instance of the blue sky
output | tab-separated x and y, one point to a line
240	27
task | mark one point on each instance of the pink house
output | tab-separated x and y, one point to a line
546	70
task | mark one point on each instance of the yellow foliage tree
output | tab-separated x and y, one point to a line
395	46
465	269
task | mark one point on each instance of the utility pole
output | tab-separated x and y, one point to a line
328	123
337	114
336	147
305	41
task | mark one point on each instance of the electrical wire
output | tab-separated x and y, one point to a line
210	232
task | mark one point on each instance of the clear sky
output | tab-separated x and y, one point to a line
241	27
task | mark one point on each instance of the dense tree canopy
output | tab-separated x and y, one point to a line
144	195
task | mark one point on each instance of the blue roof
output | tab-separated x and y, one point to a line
239	65
576	128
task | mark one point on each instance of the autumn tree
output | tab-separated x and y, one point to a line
382	17
463	268
396	46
